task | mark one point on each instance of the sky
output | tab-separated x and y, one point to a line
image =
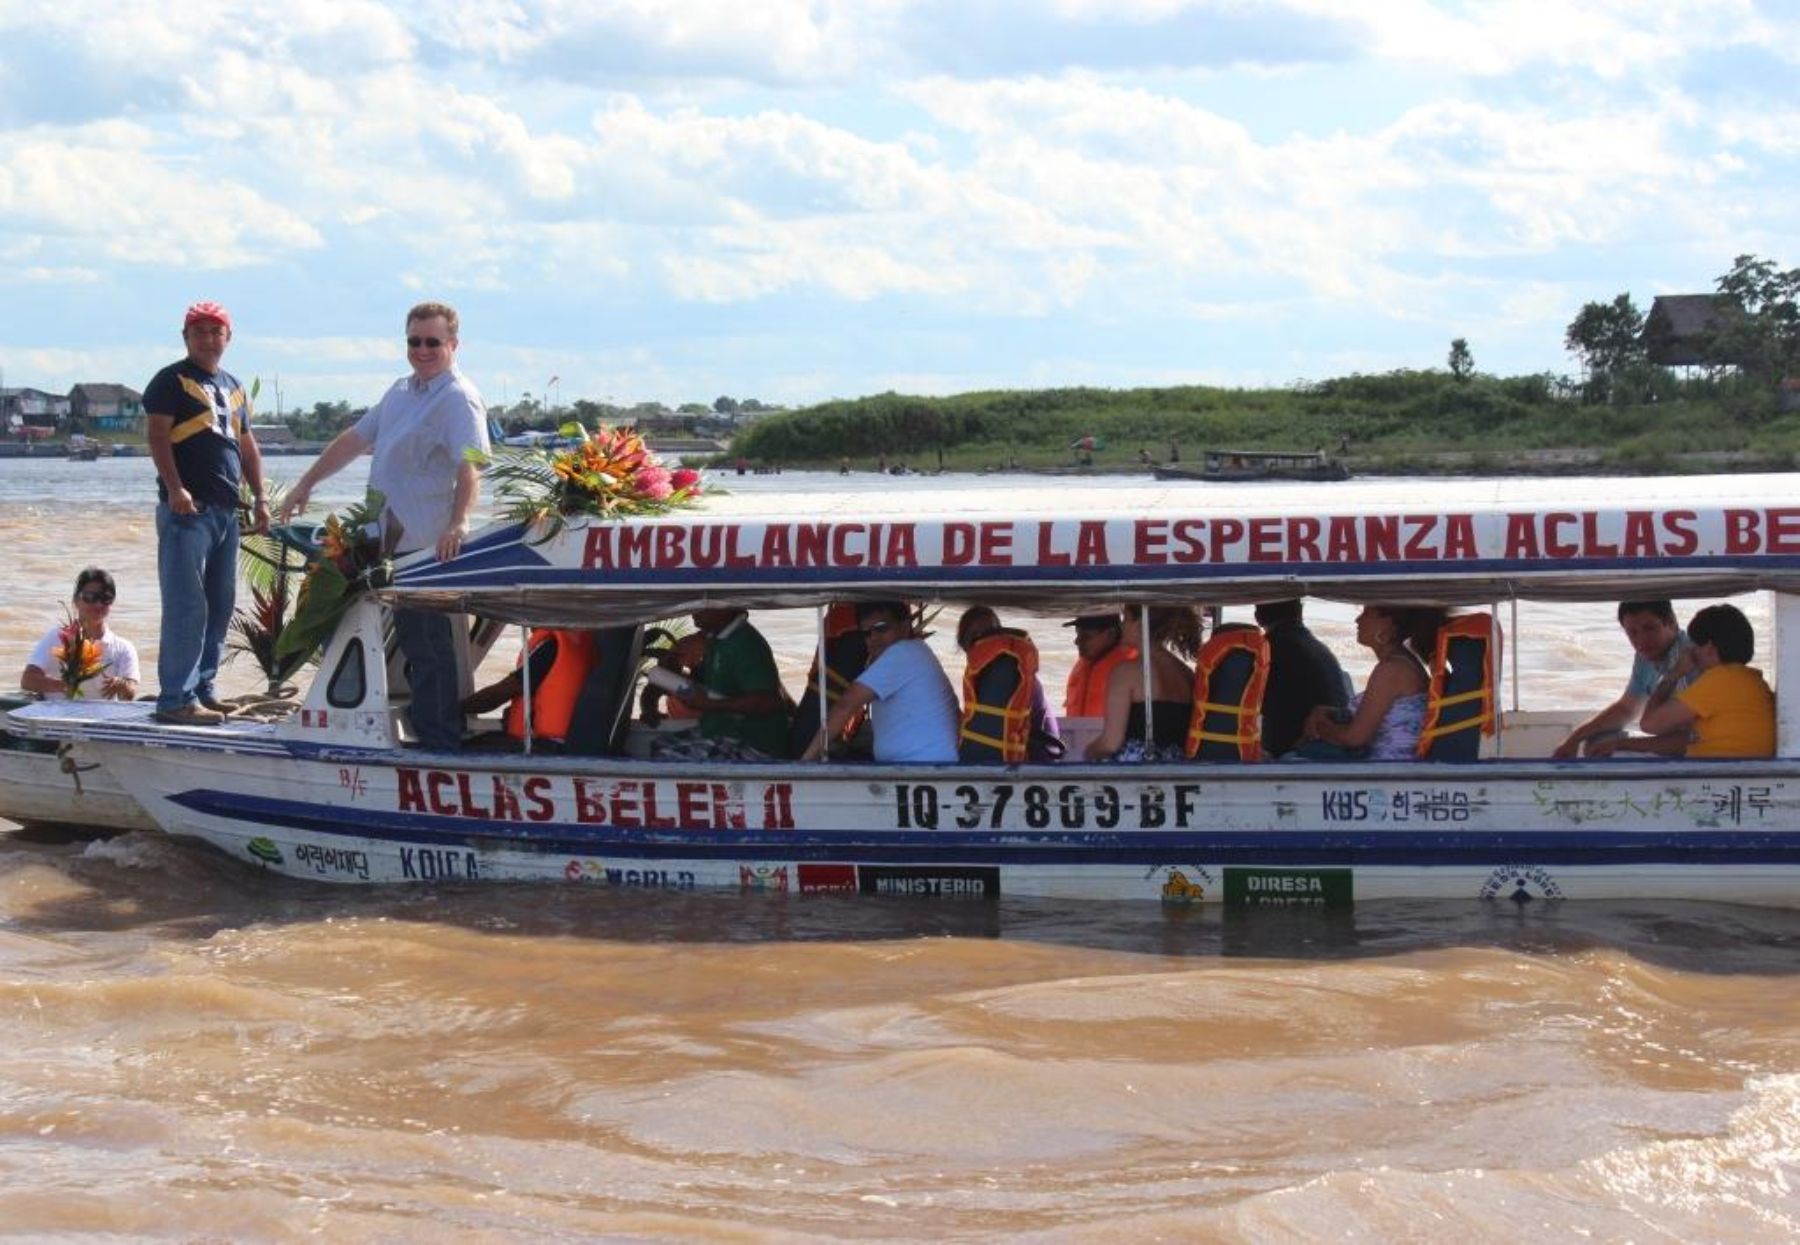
796	200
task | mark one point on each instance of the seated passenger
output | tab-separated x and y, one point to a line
1302	673
116	675
558	667
1098	650
1726	711
1382	721
1659	644
911	704
736	689
845	652
1230	679
1173	629
1036	737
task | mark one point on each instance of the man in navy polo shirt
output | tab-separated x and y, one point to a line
197	417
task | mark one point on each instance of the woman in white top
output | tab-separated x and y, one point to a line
118	676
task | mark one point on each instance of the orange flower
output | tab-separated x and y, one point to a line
78	658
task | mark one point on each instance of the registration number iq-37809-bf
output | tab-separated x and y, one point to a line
1043	806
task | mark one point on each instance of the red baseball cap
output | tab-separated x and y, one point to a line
206	311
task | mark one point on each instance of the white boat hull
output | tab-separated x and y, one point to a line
1253	835
36	789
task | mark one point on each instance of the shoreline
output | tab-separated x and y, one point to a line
1430	464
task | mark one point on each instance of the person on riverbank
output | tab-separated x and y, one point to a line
197	424
117	678
420	434
1711	702
911	705
1660	645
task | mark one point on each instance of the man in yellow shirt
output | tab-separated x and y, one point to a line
1728	711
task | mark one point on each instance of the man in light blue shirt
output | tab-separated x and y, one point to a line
1659	642
912	706
420	433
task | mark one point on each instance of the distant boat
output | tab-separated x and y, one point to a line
82	449
1230	466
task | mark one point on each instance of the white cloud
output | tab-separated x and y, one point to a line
106	189
1000	161
1611	38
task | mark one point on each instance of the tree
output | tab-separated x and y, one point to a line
1608	338
324	421
725	405
591	413
1762	335
1462	361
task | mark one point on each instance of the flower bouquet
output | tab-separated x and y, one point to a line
78	658
349	561
609	473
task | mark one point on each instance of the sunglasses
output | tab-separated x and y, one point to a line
881	628
96	598
429	343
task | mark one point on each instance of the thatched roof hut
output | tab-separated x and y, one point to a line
1678	331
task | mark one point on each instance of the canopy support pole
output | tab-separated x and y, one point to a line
525	681
824	679
1497	672
1513	648
1144	665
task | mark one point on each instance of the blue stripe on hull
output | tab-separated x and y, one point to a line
1132	847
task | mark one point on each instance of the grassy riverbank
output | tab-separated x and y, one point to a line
1402	422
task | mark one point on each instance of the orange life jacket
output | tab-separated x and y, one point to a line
997	683
844	660
1231	674
1460	700
553	699
1085	696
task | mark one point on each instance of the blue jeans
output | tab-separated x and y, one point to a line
196	566
428	640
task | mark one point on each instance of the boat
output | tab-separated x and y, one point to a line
1241	466
82	449
335	793
43	782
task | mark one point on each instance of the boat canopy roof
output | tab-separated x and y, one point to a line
1077	548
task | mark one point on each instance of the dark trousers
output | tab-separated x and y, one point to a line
427	640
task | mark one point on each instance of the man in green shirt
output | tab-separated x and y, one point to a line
737	689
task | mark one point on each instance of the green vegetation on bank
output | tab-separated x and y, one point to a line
1398	421
1630	412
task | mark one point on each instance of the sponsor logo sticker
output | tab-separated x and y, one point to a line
264	850
1521	884
950	881
827	879
763	877
1288	888
1183	884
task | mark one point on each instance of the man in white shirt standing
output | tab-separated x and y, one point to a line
420	433
911	704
